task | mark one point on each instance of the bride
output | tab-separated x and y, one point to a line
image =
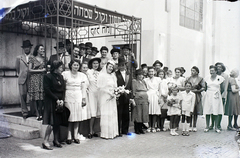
106	83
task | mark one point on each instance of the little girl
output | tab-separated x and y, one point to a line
174	109
188	101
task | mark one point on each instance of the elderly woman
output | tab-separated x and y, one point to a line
55	114
212	101
35	86
75	99
140	110
92	74
107	83
232	107
198	85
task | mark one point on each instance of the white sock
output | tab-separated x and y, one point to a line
183	127
187	127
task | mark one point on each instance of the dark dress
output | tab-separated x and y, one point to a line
54	88
232	106
140	111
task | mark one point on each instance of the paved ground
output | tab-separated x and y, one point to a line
150	145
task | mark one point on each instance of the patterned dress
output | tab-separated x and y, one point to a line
35	86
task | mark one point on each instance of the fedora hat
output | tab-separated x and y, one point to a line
88	44
92	60
26	44
82	45
157	62
95	49
60	45
126	46
115	50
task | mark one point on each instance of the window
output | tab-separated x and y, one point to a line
191	12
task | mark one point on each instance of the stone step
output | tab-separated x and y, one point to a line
19	131
31	122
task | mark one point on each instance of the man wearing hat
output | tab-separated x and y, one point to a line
68	46
82	53
88	46
115	55
93	53
130	59
157	66
123	79
61	55
22	70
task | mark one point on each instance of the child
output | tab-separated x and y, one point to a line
174	109
188	101
162	101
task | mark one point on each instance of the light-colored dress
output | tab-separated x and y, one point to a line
108	106
75	91
153	86
175	109
212	100
93	92
180	82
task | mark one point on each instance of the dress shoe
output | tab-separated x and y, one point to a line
77	141
25	116
95	135
120	135
69	141
90	136
46	147
57	144
141	131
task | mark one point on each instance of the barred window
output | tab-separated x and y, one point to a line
191	14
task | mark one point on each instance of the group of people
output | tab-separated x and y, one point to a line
78	86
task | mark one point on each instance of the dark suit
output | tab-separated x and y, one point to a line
67	59
22	70
123	102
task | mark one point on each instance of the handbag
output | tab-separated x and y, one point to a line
59	108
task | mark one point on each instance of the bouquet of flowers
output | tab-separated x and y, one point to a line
120	90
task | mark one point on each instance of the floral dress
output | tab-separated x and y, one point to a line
35	86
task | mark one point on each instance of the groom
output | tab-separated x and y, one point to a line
123	78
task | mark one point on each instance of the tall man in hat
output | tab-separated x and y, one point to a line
22	70
61	55
82	53
123	79
130	59
157	66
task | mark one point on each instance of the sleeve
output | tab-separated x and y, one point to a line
84	85
47	82
134	87
232	81
17	65
202	83
193	102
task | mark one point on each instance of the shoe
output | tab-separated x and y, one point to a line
183	133
38	118
25	116
186	134
141	131
57	144
77	141
176	134
218	130
120	135
81	137
95	135
144	126
190	129
206	130
171	132
158	130
128	133
194	129
46	147
69	141
90	136
164	129
231	128
149	130
235	126
210	127
153	130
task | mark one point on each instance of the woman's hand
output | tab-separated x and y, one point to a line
83	102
